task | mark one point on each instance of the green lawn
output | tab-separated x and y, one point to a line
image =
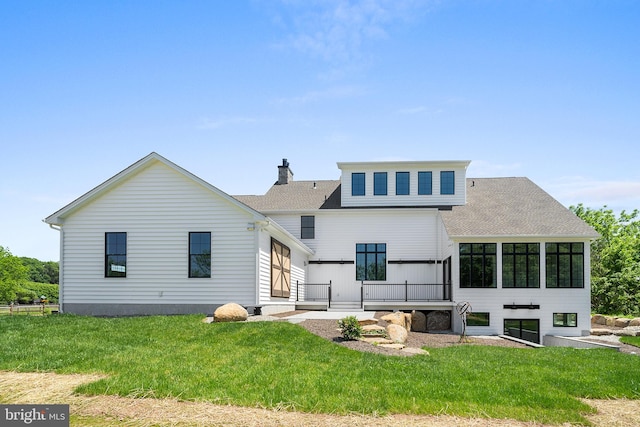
631	340
280	364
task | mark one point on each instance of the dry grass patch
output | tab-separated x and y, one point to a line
137	412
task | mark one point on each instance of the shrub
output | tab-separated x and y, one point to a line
26	296
48	290
350	328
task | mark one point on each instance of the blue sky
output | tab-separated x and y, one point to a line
226	89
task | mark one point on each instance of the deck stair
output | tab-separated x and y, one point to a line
345	306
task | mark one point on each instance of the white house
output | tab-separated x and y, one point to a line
155	239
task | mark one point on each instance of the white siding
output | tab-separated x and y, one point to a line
157	208
413	199
410	234
550	300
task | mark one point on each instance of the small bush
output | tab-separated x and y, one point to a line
350	328
48	290
26	296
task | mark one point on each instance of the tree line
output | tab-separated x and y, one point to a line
615	260
24	279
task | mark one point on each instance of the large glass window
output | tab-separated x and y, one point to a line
402	183
357	184
425	183
478	265
115	254
379	183
526	329
280	270
200	254
307	227
447	182
565	265
371	261
520	265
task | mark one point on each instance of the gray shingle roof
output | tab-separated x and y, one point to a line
512	207
296	195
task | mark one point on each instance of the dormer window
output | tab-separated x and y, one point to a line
424	183
379	183
357	184
447	182
402	183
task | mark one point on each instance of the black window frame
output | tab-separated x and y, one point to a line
380	184
569	255
448	183
358	184
534	335
514	255
482	259
307	227
565	321
198	257
425	183
479	319
115	253
373	267
403	183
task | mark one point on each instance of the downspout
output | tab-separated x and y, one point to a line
256	245
60	267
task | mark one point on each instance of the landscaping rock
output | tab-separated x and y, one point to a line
610	321
397	318
366	322
635	322
373	329
418	321
438	321
376	340
395	346
397	333
621	322
413	350
230	312
627	332
599	319
600	331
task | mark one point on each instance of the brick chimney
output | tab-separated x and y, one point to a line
284	173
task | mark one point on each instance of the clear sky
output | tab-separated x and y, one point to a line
226	89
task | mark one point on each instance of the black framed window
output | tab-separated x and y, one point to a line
307	227
115	254
565	320
521	265
357	184
379	183
200	254
478	265
425	180
526	329
565	265
371	261
447	182
477	319
402	183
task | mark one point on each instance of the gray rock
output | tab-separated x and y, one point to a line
438	321
418	321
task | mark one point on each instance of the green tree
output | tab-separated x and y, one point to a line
12	275
615	260
41	271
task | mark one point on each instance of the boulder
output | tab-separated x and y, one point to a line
621	322
599	319
598	332
635	322
418	321
438	321
610	321
397	333
396	318
395	346
407	321
230	312
366	322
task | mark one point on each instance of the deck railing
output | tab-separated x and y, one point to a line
385	292
407	292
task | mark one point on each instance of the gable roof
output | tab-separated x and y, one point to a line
297	196
512	207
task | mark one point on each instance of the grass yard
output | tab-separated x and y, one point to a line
631	340
277	364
